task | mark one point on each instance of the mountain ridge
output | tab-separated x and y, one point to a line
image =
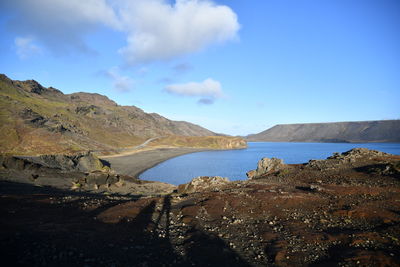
36	120
385	131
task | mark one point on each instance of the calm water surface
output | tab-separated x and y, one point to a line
235	163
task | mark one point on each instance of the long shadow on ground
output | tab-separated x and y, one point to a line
39	228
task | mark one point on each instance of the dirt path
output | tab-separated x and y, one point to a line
143	144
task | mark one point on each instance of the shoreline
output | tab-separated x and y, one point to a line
136	163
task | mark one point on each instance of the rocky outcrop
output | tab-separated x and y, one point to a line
344	216
203	183
19	164
85	162
356	153
92	98
89	110
81	162
336	132
266	166
352	157
234	143
79	172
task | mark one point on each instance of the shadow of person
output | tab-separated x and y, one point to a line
76	238
165	214
204	249
153	236
200	248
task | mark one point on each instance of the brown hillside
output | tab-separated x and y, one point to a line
37	120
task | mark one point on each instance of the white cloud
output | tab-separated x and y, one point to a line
208	89
120	82
155	30
60	24
25	47
160	31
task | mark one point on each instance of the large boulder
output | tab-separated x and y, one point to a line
266	166
16	163
88	162
203	183
99	178
84	162
61	162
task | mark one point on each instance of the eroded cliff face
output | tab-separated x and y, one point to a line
206	142
236	143
231	143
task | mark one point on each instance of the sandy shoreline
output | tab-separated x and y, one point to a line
135	164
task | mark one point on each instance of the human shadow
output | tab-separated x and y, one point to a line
205	249
199	247
39	232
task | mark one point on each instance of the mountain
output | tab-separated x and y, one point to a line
35	120
336	132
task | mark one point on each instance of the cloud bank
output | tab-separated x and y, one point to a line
160	31
155	30
208	90
61	25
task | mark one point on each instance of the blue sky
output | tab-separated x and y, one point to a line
235	67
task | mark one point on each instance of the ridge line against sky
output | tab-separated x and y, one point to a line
235	67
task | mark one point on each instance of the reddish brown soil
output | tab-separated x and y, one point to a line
308	216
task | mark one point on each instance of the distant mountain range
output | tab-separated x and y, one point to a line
35	119
336	132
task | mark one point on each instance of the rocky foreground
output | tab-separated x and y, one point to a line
341	211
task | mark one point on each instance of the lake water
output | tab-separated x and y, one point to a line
235	163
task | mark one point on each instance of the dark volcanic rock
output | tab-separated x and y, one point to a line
92	109
80	162
101	178
20	164
32	117
348	215
352	157
38	121
79	172
34	87
85	162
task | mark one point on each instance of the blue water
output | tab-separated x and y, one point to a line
235	163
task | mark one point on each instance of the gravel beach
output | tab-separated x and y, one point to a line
134	164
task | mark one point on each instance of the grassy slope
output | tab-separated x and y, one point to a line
111	128
18	137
